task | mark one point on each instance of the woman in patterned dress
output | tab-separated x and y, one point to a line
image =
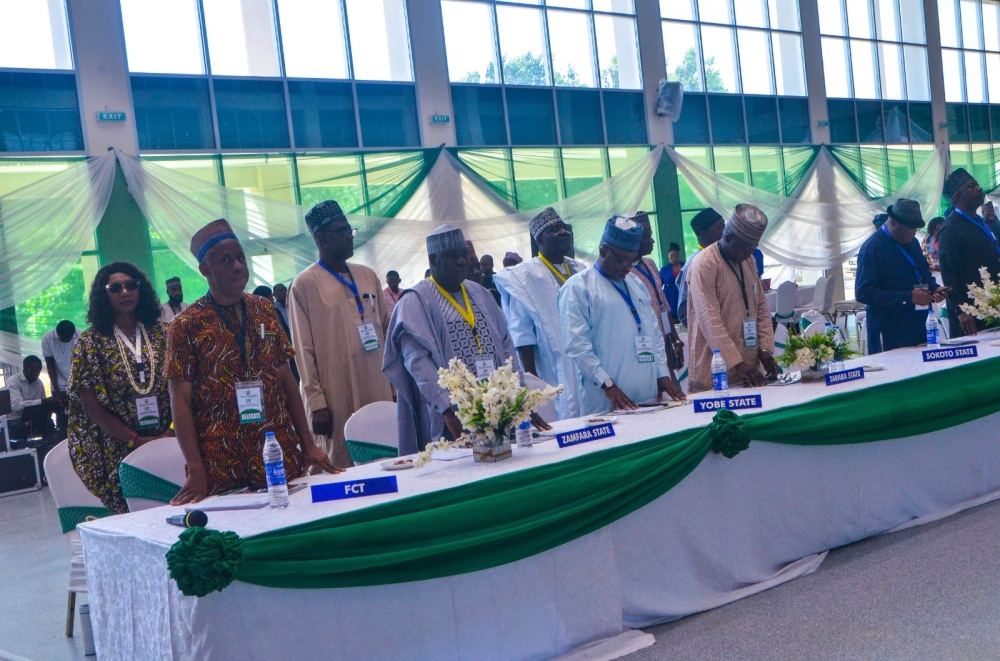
116	376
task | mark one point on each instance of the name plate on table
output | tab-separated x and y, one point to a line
372	486
731	403
852	374
584	435
949	353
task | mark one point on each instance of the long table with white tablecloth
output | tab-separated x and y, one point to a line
729	528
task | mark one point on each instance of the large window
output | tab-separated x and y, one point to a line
242	38
34	35
874	49
734	46
970	49
566	43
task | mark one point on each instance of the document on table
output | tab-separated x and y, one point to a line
239	501
650	406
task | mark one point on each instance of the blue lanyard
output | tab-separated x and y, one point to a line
907	255
625	296
350	285
981	224
649	276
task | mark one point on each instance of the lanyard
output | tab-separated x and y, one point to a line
240	334
351	285
981	224
743	285
641	267
625	297
907	255
467	312
136	348
562	278
394	297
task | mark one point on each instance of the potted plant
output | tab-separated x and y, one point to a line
812	354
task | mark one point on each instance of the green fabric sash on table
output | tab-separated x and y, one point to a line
499	520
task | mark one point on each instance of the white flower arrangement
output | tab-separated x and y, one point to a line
985	298
492	407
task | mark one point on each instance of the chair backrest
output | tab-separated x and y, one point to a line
74	501
373	423
831	289
815	328
785	306
780	338
548	410
153	474
819	294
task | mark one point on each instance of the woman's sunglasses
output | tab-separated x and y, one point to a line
117	287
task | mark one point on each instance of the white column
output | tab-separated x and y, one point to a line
654	68
102	77
815	83
935	70
430	70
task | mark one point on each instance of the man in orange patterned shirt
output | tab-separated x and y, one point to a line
229	340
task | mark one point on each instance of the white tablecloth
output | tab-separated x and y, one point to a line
803	297
730	528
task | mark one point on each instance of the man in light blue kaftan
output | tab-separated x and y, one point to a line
610	331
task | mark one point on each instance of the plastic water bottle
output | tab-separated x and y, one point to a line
720	379
933	332
523	435
274	466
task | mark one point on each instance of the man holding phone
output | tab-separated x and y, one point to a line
894	281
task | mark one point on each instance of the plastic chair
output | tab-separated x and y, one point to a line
815	328
153	474
371	433
780	339
784	311
819	296
548	410
828	293
75	504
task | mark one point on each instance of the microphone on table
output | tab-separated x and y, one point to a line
194	518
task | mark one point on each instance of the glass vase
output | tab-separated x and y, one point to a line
490	447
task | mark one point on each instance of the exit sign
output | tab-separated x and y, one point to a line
111	117
440	119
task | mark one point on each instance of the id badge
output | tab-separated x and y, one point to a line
250	401
369	340
148	412
921	307
644	349
484	368
749	333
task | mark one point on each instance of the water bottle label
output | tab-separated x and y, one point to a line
720	381
275	473
932	336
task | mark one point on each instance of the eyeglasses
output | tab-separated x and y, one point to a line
618	256
116	287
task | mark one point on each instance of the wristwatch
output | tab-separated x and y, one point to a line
607	383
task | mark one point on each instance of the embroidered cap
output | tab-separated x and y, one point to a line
209	235
543	221
705	219
955	180
513	257
323	214
445	237
622	233
747	222
640	217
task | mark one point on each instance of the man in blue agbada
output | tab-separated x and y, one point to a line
894	281
610	331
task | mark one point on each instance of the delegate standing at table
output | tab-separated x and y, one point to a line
610	331
966	243
227	362
339	318
645	270
442	317
117	394
728	311
707	226
894	281
528	292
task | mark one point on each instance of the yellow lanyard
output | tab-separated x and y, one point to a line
466	312
562	278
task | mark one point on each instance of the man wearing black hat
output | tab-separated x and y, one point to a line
894	281
707	225
966	243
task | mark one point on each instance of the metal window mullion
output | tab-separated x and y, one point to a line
347	38
562	173
207	62
547	44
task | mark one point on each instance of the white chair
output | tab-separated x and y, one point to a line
548	410
861	326
153	474
780	339
371	433
75	504
828	293
819	296
815	328
784	310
